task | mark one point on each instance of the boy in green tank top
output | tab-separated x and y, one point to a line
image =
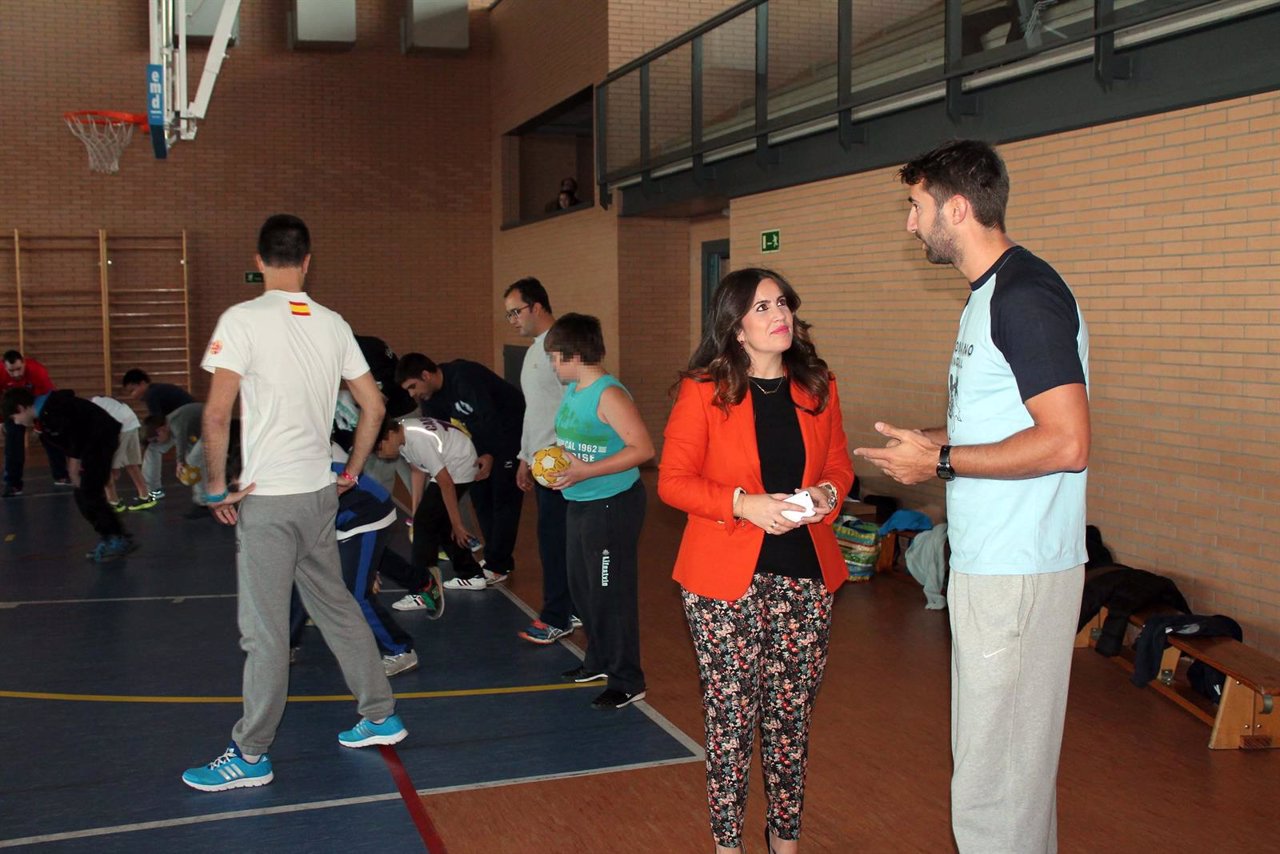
600	427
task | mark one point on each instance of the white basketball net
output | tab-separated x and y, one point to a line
105	135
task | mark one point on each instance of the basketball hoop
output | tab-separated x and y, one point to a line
105	134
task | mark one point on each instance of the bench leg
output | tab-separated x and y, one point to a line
1244	721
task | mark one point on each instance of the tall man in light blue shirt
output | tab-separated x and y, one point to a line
1013	455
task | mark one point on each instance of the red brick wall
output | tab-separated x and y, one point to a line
1160	226
386	156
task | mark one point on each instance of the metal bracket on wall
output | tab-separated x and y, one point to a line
766	155
959	102
649	188
703	175
1107	67
851	134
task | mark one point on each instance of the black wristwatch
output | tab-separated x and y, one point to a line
944	469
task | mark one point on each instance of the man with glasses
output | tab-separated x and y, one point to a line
492	411
528	310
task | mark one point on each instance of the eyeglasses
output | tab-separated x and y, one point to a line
515	312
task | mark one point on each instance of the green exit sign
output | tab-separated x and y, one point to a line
253	278
770	241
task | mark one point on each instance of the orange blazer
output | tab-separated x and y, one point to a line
706	455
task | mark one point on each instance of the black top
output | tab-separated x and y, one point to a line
163	398
1034	322
782	460
76	426
491	408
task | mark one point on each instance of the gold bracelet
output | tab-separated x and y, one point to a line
831	491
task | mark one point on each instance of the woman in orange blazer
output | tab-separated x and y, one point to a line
756	420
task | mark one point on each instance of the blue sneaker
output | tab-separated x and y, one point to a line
229	771
366	733
112	548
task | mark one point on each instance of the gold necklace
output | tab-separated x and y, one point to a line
774	390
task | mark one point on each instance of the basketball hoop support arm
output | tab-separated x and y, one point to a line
169	49
212	63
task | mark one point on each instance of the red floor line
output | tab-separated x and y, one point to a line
412	802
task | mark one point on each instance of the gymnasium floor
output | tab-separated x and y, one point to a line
121	676
526	770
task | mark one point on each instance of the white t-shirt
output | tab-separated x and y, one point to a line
432	445
291	354
121	412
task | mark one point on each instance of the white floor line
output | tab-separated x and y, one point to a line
649	711
175	599
330	804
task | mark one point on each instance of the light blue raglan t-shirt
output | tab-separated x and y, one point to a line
1021	334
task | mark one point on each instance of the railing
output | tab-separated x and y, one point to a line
766	70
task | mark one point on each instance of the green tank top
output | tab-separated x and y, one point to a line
580	431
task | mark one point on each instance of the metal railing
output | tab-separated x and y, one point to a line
766	70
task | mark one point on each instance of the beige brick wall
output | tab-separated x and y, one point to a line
652	318
386	156
1162	226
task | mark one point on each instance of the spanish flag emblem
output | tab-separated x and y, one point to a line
301	309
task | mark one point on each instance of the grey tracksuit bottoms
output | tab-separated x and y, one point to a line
282	540
1012	638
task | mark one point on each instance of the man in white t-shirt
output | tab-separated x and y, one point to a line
285	355
445	455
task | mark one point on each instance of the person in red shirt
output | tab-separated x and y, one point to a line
29	374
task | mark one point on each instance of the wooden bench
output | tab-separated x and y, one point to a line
1245	717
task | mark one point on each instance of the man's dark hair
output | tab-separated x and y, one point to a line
284	241
13	398
133	376
412	365
964	167
389	424
576	335
531	291
12	356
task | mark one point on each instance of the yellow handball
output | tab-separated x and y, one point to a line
189	475
548	465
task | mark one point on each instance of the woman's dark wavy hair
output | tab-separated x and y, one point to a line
720	359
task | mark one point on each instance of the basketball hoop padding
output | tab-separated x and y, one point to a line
105	134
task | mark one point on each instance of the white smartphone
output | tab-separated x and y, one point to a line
800	499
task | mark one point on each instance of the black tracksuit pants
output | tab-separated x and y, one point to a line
432	531
95	472
603	567
498	501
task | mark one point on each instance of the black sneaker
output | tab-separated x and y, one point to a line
11	492
612	699
582	674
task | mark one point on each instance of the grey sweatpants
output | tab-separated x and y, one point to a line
282	540
1012	638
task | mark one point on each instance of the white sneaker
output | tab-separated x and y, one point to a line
465	584
402	663
575	621
491	578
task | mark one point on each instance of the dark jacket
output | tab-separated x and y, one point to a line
1123	590
76	426
491	408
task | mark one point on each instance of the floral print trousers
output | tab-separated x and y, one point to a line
760	660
